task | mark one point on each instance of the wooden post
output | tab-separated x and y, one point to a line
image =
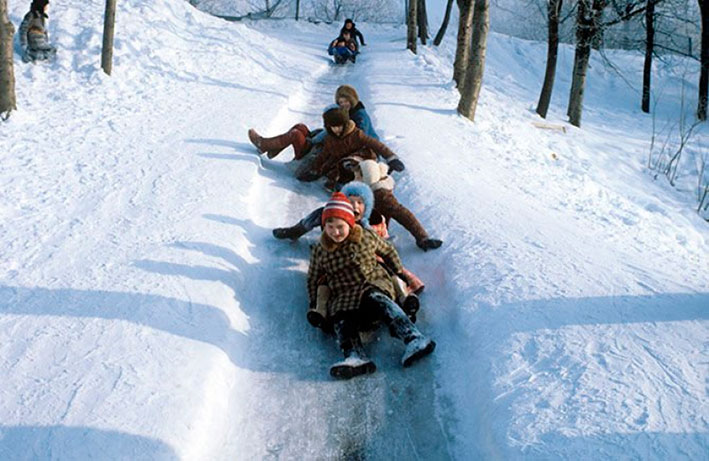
7	73
109	22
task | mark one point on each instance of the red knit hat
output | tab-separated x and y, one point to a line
339	206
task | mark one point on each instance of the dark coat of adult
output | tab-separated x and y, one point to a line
353	140
33	20
351	268
354	32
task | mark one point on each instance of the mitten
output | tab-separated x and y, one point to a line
396	165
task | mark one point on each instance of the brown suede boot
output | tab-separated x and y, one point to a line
273	146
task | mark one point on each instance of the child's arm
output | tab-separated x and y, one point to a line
389	254
22	32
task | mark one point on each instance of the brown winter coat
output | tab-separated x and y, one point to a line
352	141
351	267
375	176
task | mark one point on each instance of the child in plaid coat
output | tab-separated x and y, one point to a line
361	290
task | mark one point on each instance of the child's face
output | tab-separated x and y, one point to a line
346	35
337	229
358	205
344	103
348	25
337	130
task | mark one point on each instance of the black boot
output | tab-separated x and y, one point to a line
411	305
293	232
429	244
356	361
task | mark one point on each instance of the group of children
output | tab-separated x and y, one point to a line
345	47
33	35
356	280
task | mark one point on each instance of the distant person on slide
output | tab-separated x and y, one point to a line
354	32
33	35
343	48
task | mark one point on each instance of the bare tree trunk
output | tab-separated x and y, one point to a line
587	26
704	74
297	9
422	20
444	25
649	49
476	63
553	10
7	73
462	50
411	26
109	22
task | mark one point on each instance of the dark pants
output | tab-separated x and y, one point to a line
313	220
374	307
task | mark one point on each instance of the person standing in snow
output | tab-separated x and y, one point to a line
33	34
350	27
360	289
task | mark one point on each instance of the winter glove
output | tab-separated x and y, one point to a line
395	165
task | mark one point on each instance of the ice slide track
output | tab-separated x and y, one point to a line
298	409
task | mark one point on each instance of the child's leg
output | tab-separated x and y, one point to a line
415	284
400	326
305	225
389	206
356	361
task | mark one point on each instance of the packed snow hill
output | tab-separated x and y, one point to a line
147	311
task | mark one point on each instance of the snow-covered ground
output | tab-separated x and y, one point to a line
147	313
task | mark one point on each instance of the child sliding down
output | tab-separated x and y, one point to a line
360	289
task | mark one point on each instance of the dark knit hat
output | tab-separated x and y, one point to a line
348	92
339	206
38	5
335	116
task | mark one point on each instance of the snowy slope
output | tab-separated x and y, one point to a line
147	313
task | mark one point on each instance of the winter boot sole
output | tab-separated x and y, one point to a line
421	353
349	371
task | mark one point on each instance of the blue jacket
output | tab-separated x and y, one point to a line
358	114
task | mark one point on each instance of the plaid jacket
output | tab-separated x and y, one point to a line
351	267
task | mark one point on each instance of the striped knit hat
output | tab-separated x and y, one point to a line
339	206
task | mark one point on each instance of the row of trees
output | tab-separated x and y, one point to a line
593	21
473	29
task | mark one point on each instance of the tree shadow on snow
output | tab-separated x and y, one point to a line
271	291
64	442
274	297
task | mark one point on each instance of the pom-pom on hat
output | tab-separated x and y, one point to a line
339	206
38	6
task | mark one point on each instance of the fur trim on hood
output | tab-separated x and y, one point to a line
362	190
